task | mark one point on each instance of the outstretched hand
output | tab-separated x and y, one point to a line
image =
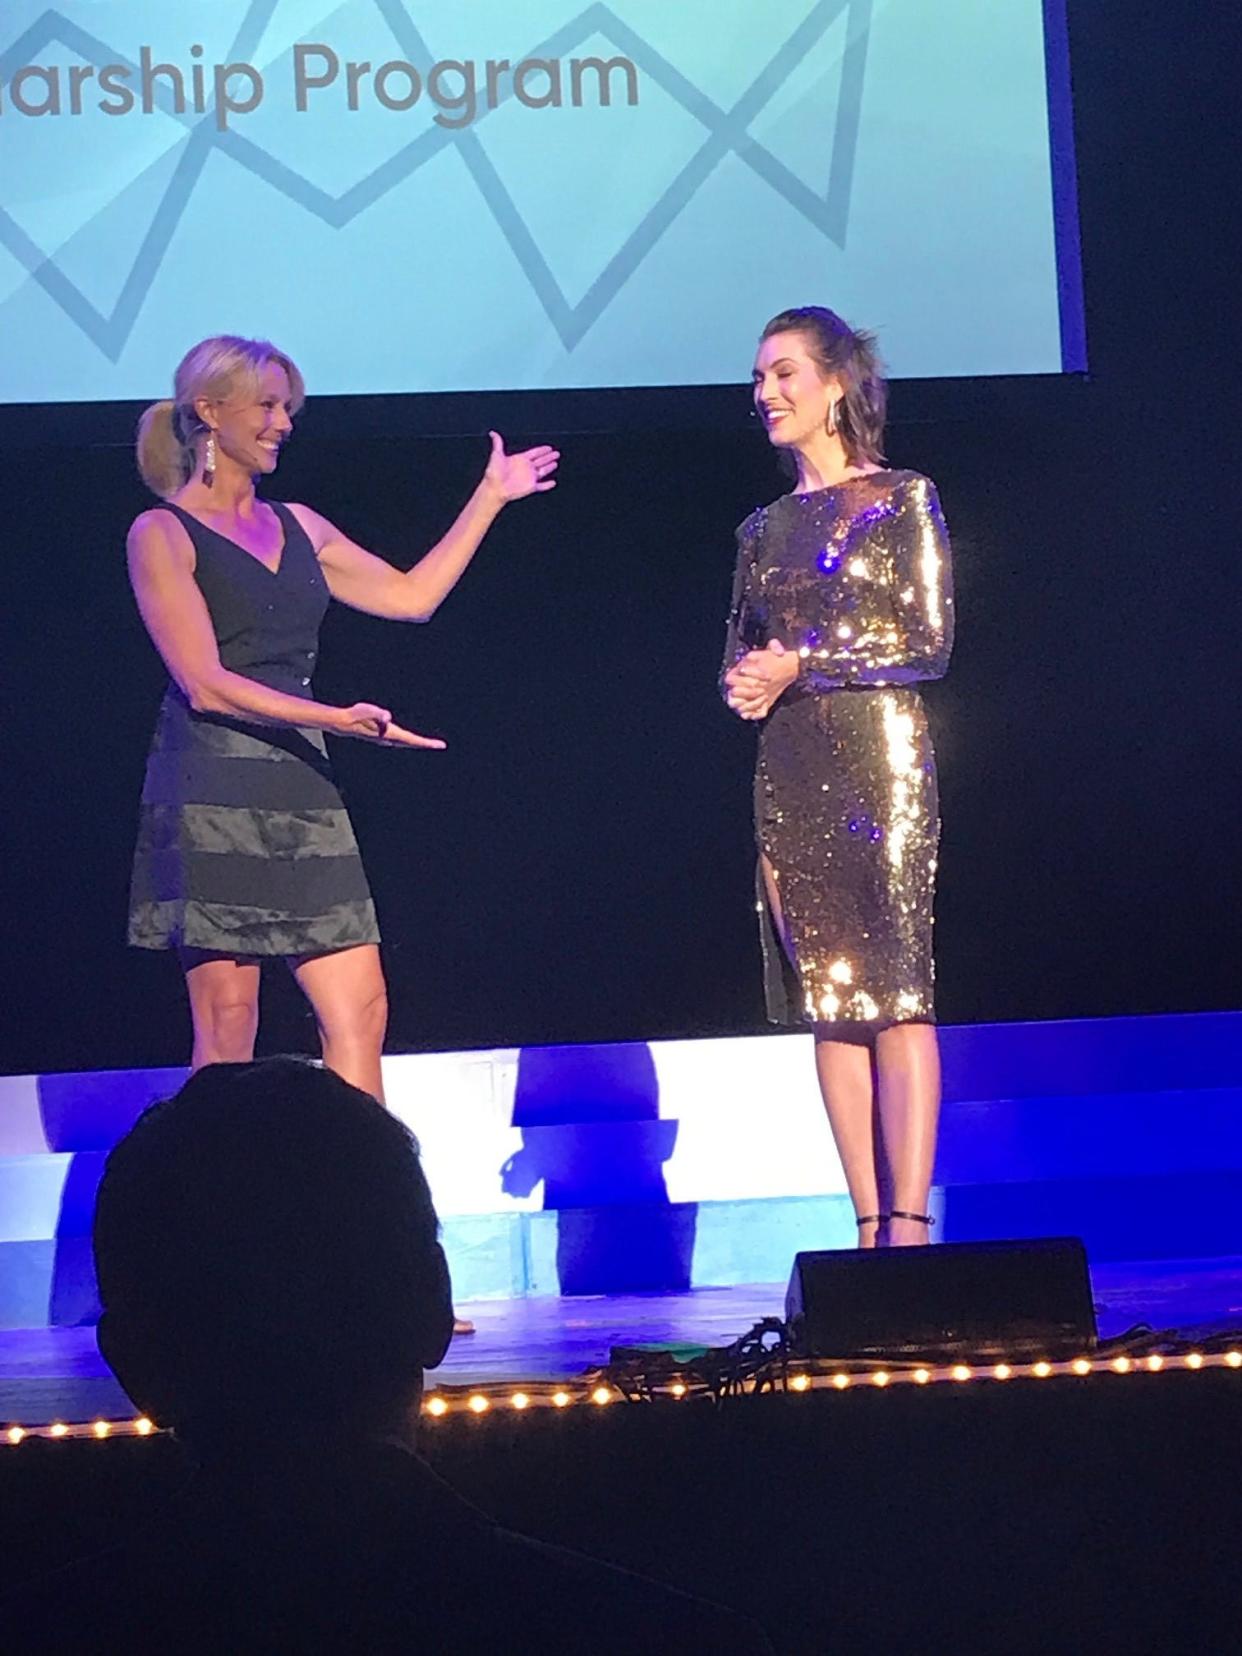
368	723
515	475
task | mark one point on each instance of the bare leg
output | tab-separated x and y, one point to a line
845	1084
347	995
844	1070
908	1070
224	1006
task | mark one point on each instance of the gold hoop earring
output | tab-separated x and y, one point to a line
209	460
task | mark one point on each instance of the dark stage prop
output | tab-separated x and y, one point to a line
961	1299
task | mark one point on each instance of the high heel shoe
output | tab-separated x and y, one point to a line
861	1219
462	1325
924	1219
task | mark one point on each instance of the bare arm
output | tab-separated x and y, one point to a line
161	572
358	578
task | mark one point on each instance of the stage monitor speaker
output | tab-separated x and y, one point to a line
953	1300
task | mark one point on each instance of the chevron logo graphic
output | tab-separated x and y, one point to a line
725	132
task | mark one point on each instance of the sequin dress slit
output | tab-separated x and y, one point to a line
855	578
244	844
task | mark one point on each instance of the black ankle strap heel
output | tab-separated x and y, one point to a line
918	1218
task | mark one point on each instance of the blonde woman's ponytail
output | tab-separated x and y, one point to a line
163	459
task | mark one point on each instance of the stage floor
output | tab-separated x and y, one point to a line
50	1374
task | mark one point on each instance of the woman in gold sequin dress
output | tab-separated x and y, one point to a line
842	603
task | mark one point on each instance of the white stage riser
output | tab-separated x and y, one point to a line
709	1162
506	1256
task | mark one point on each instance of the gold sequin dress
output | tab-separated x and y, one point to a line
856	578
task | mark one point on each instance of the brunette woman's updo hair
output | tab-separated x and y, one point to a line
216	368
851	355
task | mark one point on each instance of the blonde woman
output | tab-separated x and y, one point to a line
245	851
842	605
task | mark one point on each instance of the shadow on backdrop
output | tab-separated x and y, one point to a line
591	1131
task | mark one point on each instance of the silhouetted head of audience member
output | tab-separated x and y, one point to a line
268	1261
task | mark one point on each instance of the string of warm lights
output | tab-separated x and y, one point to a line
469	1401
142	1427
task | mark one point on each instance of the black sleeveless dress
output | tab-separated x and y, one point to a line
244	844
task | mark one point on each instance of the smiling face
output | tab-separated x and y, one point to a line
251	425
791	394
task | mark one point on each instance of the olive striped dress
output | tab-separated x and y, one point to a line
244	844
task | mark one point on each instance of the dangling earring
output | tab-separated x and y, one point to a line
832	417
209	459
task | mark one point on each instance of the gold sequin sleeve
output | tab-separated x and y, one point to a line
903	632
742	630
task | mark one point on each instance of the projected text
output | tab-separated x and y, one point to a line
457	88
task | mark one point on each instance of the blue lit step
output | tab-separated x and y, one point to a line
647	1249
88	1110
1126	1131
47	1196
1190	1216
47	1284
1089	1058
1173	1052
720	1244
1106	1135
1028	1141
